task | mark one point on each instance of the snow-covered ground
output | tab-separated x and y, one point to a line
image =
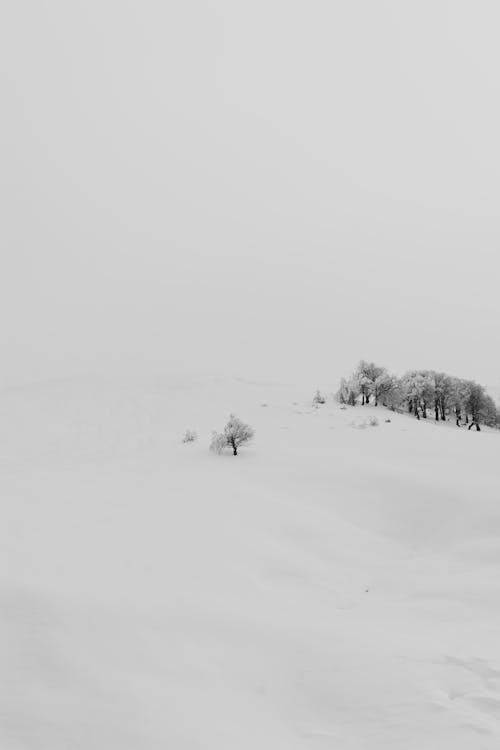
334	586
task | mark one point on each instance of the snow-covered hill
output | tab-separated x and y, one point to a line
334	586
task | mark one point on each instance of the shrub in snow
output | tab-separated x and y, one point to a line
189	436
348	392
361	424
236	433
218	443
319	398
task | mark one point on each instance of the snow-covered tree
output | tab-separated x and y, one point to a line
365	385
427	394
458	395
235	434
476	404
418	391
382	386
366	374
466	393
348	391
490	411
442	392
393	397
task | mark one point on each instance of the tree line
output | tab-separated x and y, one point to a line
423	393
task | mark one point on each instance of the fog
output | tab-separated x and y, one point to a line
267	189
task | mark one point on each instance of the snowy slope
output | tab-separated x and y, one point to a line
332	587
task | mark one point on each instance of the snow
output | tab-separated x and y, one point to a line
330	587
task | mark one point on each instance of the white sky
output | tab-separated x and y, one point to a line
271	188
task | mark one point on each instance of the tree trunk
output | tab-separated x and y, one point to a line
436	411
362	398
424	410
443	410
235	449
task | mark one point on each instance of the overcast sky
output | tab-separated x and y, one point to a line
271	188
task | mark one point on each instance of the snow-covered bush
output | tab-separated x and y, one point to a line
189	436
362	424
319	398
218	443
348	392
359	424
236	433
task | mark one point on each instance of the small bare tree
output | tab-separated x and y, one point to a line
236	433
